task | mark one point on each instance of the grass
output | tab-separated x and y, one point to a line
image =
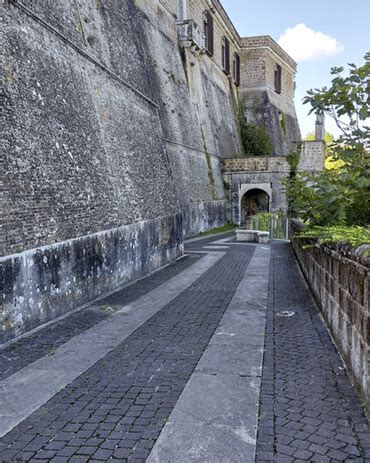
226	228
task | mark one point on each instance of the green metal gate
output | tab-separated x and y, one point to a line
276	224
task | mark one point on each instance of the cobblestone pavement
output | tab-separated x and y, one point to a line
45	341
308	410
116	410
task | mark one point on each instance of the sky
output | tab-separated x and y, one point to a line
318	34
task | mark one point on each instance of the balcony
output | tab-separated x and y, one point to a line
190	35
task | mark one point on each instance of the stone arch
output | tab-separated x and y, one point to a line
254	199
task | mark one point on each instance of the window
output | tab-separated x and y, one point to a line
208	32
278	78
226	55
236	69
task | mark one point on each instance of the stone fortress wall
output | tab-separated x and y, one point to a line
197	110
114	137
88	200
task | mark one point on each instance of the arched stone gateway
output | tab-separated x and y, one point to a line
252	202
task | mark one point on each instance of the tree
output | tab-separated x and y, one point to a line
340	196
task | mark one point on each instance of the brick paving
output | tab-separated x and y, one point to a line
117	409
45	341
308	410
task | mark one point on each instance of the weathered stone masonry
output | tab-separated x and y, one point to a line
108	156
114	130
340	285
86	175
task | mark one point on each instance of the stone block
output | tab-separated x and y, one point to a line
244	235
262	237
257	236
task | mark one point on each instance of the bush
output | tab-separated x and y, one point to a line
339	196
255	138
354	236
274	222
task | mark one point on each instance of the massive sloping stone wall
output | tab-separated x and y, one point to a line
113	141
197	111
88	199
84	151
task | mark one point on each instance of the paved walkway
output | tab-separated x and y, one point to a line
198	362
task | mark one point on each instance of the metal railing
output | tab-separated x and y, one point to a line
276	224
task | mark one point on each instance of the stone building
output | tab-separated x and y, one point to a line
116	120
267	91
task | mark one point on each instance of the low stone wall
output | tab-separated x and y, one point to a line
43	283
340	284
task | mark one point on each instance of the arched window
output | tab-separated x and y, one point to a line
236	69
226	55
208	32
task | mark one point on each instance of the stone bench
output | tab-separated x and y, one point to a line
257	236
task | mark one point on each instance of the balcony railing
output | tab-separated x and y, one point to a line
190	34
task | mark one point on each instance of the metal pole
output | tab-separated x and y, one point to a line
287	228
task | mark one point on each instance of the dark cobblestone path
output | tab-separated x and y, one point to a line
117	409
44	342
309	411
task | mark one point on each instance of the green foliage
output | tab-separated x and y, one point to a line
268	221
354	236
339	196
293	160
255	138
328	138
261	221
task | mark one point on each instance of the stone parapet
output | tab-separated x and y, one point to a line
340	285
263	41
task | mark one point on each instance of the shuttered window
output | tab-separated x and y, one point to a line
208	32
226	55
278	78
236	69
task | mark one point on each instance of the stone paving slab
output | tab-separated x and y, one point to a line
245	360
216	416
223	399
203	443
